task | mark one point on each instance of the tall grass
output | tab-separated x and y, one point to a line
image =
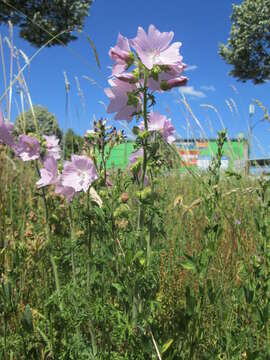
78	282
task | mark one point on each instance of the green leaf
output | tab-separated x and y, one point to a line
249	294
27	319
166	346
189	263
118	287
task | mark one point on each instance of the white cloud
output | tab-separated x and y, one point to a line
190	91
191	68
208	88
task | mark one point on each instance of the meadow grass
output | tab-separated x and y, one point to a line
79	281
202	293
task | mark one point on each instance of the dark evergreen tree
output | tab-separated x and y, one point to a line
39	20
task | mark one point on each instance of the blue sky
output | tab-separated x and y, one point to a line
199	25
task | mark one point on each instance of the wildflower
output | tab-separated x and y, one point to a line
124	197
79	173
165	78
162	124
171	83
6	136
123	101
67	191
135	156
127	77
122	55
154	48
165	81
52	145
49	173
27	148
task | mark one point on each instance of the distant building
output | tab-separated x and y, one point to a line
194	153
199	153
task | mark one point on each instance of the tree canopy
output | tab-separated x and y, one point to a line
46	122
39	20
248	45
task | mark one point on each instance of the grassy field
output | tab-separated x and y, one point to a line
86	284
144	263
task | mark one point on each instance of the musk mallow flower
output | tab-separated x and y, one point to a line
154	48
6	129
27	148
79	173
127	77
174	82
132	160
160	123
121	54
67	191
123	101
49	172
52	145
165	81
135	156
164	78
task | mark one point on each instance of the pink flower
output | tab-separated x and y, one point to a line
162	124
122	99
49	173
127	77
135	156
52	145
171	83
27	148
154	48
67	191
169	78
121	54
6	129
79	173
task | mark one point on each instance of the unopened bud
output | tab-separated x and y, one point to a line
176	82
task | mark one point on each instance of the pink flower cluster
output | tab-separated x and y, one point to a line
78	174
52	145
27	147
154	52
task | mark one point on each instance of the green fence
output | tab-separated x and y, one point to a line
194	153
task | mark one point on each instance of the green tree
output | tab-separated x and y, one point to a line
39	20
248	46
72	143
46	122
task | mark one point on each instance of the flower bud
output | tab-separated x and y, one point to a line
176	82
127	77
124	197
122	211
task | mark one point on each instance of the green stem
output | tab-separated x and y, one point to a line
89	237
44	201
71	243
146	128
48	234
141	208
